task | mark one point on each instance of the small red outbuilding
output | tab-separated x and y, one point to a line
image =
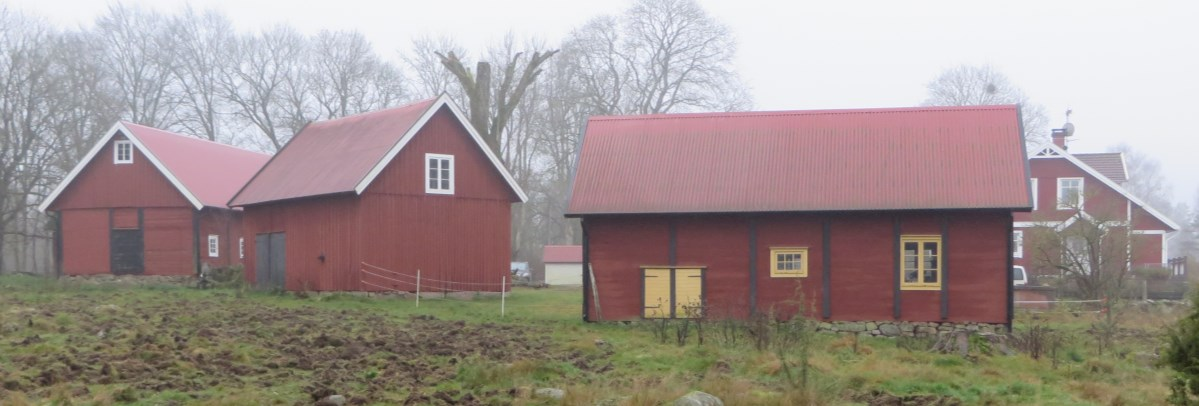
364	202
897	215
148	201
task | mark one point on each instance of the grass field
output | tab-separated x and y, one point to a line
62	342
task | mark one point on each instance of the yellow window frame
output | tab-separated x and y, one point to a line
920	257
777	267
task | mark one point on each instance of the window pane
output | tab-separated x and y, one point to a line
930	262
445	164
445	174
930	276
910	276
432	163
910	248
432	174
930	248
432	183
445	184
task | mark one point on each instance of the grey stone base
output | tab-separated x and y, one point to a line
906	328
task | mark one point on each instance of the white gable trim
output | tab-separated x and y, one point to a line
1051	151
119	128
442	100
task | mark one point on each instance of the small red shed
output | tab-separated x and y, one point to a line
887	221
364	202
152	202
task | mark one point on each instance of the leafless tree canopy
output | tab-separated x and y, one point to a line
970	85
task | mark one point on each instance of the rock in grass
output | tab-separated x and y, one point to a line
697	398
552	393
332	400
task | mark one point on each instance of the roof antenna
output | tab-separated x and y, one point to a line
1068	127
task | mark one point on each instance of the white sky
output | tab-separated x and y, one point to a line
1128	69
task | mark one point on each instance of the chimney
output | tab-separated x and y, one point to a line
1059	137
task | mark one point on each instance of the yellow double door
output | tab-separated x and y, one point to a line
673	292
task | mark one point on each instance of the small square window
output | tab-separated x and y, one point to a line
241	247
439	174
921	262
122	152
1069	193
788	262
214	243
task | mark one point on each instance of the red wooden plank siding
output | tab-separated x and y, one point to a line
167	238
86	243
862	267
314	227
125	219
104	184
1146	250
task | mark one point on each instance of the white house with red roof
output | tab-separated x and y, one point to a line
148	201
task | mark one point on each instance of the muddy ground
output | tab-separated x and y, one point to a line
201	348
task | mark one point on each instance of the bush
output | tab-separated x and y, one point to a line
1152	273
1182	355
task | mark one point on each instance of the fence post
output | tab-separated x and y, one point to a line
1144	290
503	294
418	288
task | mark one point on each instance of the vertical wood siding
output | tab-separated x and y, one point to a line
394	224
104	184
168	241
861	253
85	242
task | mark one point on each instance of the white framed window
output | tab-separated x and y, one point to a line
1018	243
1035	194
439	174
1069	193
122	152
241	247
214	244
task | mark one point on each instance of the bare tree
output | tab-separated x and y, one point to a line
200	58
430	77
258	82
659	56
137	47
1093	250
349	78
490	108
971	85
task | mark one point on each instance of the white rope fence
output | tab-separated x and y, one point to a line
443	286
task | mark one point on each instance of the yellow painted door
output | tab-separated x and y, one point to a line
688	292
657	293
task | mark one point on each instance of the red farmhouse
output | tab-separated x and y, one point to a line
390	192
1059	177
147	201
899	217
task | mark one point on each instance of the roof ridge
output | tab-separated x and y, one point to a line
190	137
777	113
374	112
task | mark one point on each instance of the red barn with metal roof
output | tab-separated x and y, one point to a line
364	202
148	201
900	214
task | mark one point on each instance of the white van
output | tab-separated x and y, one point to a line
1019	277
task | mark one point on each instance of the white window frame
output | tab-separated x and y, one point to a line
214	246
241	247
1035	194
116	152
425	175
1081	191
1017	243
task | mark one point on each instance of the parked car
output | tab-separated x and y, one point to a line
1019	277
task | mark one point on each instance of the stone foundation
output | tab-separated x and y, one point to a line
906	328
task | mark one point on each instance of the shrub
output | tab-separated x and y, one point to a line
1182	355
1152	273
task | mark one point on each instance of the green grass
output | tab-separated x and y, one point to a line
183	333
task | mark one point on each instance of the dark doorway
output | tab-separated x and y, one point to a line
128	253
270	253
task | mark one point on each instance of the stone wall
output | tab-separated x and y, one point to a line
906	328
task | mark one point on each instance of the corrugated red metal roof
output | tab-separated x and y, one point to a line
344	155
872	159
333	156
211	171
557	254
1110	164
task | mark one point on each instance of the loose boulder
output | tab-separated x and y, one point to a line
697	398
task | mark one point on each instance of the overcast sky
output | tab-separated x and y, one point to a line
1127	69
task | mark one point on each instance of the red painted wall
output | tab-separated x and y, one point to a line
167	236
1099	200
104	184
85	242
225	224
862	268
395	225
1146	250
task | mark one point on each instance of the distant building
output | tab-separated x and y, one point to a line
898	215
145	201
563	265
1097	180
364	202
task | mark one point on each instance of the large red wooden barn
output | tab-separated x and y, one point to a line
147	201
364	202
873	215
1069	186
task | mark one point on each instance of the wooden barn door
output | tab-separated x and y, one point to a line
270	260
126	242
